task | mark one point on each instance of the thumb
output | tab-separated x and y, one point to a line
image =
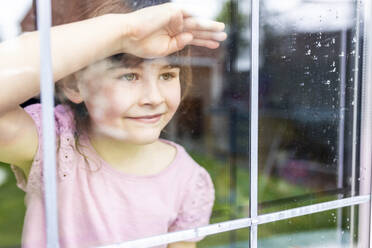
180	41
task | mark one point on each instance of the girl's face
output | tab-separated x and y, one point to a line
133	103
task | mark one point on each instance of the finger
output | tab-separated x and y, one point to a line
192	23
179	42
205	43
206	35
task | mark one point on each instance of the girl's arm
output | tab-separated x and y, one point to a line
151	32
73	47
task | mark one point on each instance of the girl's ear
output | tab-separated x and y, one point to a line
70	89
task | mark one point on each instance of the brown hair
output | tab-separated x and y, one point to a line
76	10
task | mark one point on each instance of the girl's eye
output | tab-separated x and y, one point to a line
167	76
130	76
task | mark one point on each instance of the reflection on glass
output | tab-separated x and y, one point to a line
307	82
334	229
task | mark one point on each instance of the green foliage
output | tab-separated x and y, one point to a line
12	210
242	22
270	188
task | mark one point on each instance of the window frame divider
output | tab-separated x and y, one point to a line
44	21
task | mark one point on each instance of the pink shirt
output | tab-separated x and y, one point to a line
99	205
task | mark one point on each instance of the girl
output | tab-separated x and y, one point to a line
117	180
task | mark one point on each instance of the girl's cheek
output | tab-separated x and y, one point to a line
173	92
123	99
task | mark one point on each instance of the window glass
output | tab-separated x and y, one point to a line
308	81
309	117
334	228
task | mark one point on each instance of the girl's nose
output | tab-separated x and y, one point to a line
151	94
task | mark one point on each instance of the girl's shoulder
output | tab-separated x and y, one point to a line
183	158
191	171
64	118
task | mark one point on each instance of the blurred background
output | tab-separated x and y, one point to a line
309	113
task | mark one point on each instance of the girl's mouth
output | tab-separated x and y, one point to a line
146	118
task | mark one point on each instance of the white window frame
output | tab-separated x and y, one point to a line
365	218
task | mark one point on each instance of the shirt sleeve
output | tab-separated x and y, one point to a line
64	128
197	204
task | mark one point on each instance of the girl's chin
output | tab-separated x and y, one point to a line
143	137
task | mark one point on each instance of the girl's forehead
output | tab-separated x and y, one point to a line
129	61
159	62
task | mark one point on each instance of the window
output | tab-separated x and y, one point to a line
279	117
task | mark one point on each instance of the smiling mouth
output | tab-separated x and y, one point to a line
147	118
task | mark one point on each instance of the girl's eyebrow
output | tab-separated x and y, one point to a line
169	66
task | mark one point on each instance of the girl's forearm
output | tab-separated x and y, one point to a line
73	47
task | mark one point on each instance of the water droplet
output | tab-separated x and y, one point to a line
308	52
283	57
315	57
318	44
342	54
302	84
328	82
334	40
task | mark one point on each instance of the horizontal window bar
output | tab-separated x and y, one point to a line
316	208
239	223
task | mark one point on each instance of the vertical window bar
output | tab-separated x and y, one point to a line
341	129
254	118
44	17
355	148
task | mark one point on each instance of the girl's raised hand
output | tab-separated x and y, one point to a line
164	29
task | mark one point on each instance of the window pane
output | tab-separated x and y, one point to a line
308	85
335	228
214	127
114	200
